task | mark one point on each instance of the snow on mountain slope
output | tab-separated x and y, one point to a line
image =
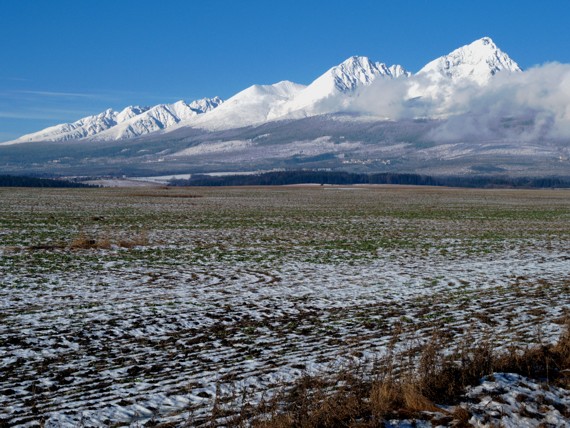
129	112
159	117
397	71
467	68
430	92
85	127
329	92
129	123
248	107
205	104
477	62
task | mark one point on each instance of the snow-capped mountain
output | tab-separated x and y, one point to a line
332	90
130	122
248	107
85	127
453	117
158	118
397	71
335	91
471	66
350	74
476	62
205	104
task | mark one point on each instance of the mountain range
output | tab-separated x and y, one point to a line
329	93
358	114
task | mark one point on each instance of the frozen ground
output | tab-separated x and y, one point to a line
232	290
510	400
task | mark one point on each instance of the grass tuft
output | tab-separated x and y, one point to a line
104	242
85	242
352	399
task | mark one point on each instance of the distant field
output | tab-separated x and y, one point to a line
141	304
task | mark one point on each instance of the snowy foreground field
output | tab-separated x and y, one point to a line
140	306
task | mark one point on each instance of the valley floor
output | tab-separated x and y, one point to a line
142	305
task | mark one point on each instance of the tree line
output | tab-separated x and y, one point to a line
22	181
278	178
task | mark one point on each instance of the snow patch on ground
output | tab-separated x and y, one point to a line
216	147
512	401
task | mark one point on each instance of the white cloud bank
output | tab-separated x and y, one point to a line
531	105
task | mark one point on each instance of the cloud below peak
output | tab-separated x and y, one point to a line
529	105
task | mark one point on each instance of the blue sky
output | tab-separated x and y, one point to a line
62	60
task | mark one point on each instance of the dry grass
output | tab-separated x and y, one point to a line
549	362
85	242
138	240
103	241
353	400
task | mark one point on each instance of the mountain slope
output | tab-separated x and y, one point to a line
85	127
329	92
248	107
432	90
441	84
476	62
159	117
131	122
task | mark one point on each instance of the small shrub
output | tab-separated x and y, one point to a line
85	242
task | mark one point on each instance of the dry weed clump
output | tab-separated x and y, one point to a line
549	362
103	241
138	240
438	376
85	242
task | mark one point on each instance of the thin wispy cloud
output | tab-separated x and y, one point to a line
113	98
47	114
59	94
